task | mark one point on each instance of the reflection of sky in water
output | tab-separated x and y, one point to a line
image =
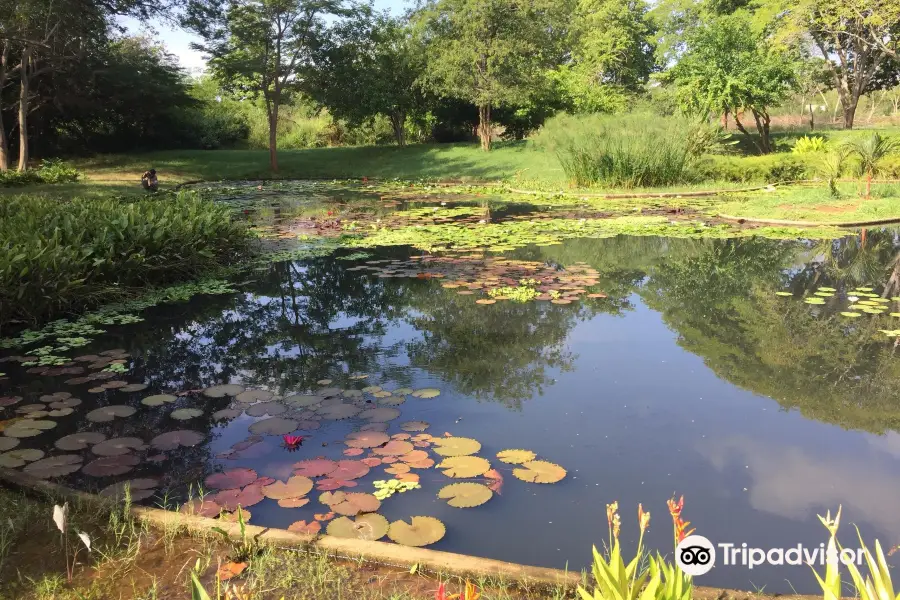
630	413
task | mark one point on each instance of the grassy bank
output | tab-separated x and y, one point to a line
60	257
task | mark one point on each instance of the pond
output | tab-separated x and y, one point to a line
626	368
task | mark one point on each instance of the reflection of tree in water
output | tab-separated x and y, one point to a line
723	305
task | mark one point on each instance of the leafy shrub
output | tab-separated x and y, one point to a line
52	170
770	168
628	151
808	144
57	257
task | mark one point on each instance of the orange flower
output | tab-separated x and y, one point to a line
675	507
643	518
680	526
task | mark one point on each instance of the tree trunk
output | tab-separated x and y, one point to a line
398	122
4	141
742	129
812	119
484	126
273	138
23	108
849	109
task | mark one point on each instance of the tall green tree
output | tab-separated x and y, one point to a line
855	37
730	68
369	66
263	47
489	52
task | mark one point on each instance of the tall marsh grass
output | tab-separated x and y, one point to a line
60	257
633	150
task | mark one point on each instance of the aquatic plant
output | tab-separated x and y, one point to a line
61	519
522	293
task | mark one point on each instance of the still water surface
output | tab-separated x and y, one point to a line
691	378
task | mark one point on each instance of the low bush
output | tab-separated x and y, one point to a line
808	144
634	150
59	257
769	168
51	171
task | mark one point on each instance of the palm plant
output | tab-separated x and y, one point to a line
871	151
831	166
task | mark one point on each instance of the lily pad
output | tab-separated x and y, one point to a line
402	391
266	408
226	414
9	400
391	400
516	457
420	531
456	446
139	489
350	503
231	479
827	289
465	495
254	396
369	527
366	439
111	465
315	467
28	428
814	301
292	502
185	414
539	471
67	403
348	470
16	458
382	427
302	401
323	382
55	466
159	399
201	507
232	499
133	387
79	441
304	528
338	412
273	426
175	439
394	448
118	446
220	391
851	314
328	392
295	487
329	485
462	467
371	389
8	443
108	413
426	393
415	426
382	414
352	394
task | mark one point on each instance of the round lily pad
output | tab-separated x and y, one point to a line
185	414
108	413
462	467
301	400
348	470
374	427
295	487
426	393
315	467
28	428
139	489
850	314
402	391
30	408
201	507
9	400
539	471
273	426
328	392
465	495
220	391
254	396
456	446
350	503
79	441
232	499
338	412
352	394
370	527
420	531
516	457
118	446
323	382
16	458
158	399
133	387
382	414
292	502
8	443
391	400
67	403
175	439
225	414
371	389
394	448
415	426
55	466
231	479
304	528
266	408
366	439
111	465
329	485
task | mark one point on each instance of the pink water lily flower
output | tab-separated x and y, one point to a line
292	442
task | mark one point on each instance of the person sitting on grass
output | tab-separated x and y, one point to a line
149	181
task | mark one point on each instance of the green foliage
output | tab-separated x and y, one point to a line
871	151
770	168
62	256
51	171
831	166
243	549
628	151
520	293
809	143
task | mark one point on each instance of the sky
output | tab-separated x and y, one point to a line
178	41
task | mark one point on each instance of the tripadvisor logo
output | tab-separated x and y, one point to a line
695	555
